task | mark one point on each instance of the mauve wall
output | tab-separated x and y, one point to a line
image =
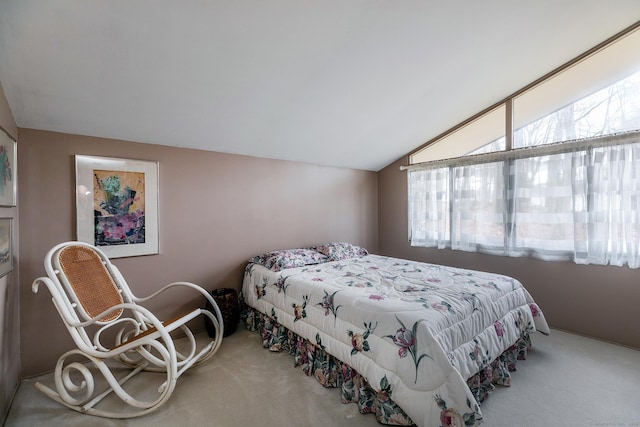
597	301
9	295
216	211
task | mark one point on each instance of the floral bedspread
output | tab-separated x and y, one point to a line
421	329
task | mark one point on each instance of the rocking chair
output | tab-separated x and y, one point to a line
116	336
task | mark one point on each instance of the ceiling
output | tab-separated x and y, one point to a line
347	83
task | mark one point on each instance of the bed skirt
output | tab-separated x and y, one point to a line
375	399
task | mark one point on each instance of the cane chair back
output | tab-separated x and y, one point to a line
85	274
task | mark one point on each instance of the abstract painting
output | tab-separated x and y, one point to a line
119	207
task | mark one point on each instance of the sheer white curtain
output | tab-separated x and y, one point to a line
543	197
478	208
429	216
458	207
582	205
609	223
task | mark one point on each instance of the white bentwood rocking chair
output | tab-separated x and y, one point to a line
115	334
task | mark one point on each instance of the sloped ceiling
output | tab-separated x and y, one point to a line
348	83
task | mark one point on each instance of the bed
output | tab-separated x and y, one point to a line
416	343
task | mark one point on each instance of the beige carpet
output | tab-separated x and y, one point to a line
566	381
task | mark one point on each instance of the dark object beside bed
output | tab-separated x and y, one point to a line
227	300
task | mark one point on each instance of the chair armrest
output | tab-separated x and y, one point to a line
196	288
150	321
65	309
193	286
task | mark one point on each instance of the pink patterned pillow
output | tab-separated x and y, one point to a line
289	258
338	251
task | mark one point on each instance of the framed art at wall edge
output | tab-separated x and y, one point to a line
117	205
6	245
8	151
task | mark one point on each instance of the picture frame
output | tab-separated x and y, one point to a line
8	175
6	246
117	205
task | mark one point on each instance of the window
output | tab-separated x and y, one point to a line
469	139
563	184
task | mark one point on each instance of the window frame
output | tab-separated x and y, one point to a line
509	154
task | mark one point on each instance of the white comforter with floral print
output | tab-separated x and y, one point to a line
426	328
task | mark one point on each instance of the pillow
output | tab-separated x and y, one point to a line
338	251
289	258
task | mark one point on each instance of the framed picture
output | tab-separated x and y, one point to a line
6	245
8	148
117	205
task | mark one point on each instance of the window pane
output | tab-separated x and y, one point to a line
485	130
598	96
499	144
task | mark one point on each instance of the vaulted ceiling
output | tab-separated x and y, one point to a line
348	83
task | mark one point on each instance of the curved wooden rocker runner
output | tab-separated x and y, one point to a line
114	334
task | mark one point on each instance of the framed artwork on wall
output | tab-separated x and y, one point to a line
117	205
8	149
6	245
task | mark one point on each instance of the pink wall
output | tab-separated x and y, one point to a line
597	301
9	295
216	211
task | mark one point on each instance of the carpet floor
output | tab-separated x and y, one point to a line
567	380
